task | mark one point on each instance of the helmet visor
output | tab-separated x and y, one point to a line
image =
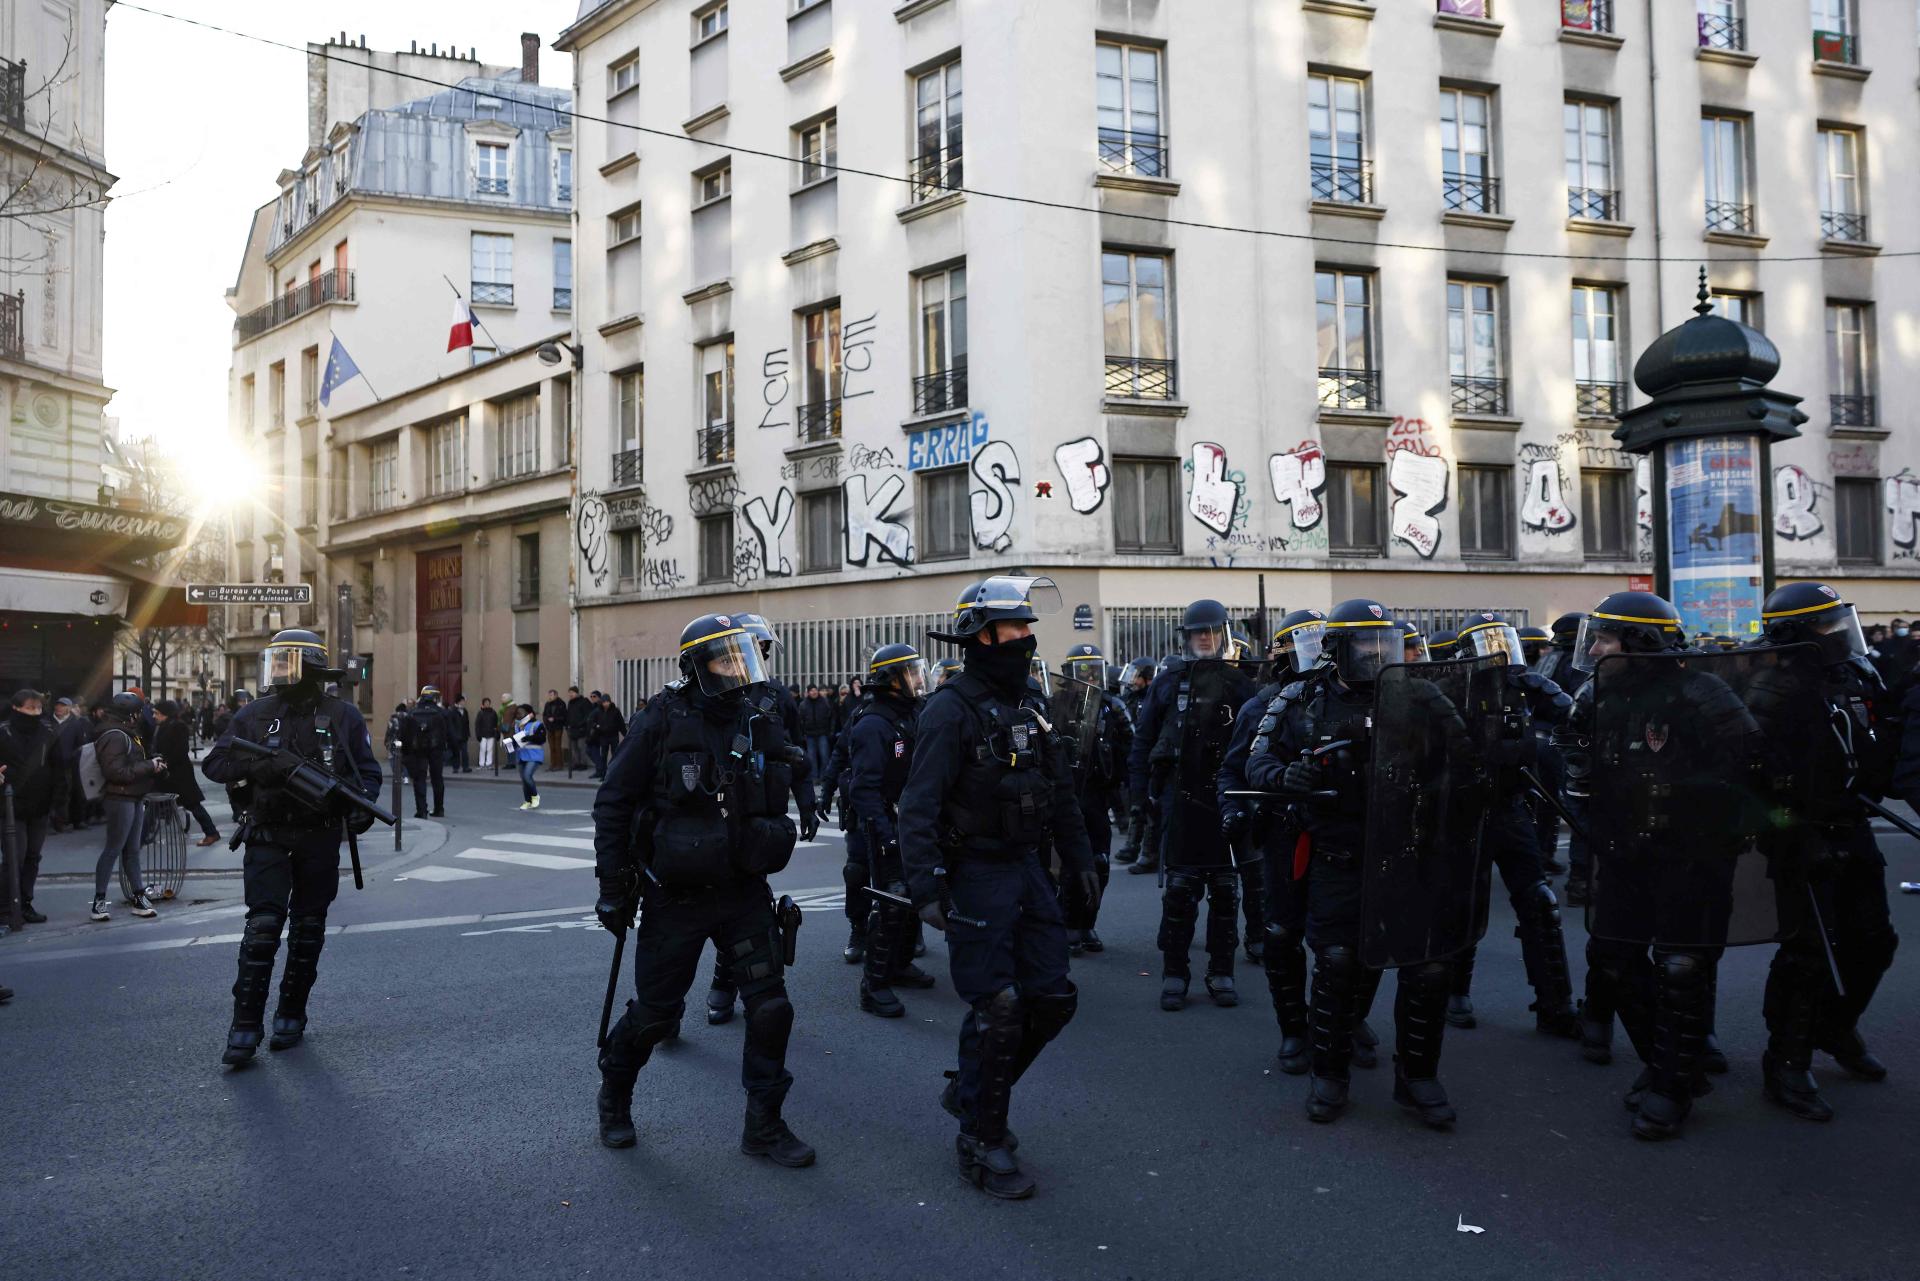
909	673
1037	670
1307	642
1594	642
1210	641
727	662
1363	651
285	664
1091	670
1839	636
1011	592
761	631
1501	639
1414	647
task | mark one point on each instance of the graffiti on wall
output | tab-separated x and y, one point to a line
856	355
874	527
1859	461
632	511
945	444
1083	466
1903	508
1297	477
1543	506
590	536
1214	496
996	478
1419	483
711	495
1643	505
1796	500
1413	436
774	388
772	529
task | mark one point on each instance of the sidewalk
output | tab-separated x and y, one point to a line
544	780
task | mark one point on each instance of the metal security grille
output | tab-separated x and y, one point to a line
826	651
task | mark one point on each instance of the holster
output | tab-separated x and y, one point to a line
787	912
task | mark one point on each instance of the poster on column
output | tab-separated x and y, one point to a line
1713	533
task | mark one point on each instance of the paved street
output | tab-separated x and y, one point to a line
439	1121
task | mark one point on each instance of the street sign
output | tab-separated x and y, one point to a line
1083	618
249	593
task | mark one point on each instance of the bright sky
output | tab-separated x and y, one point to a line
199	124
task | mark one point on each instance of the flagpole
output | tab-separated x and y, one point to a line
499	348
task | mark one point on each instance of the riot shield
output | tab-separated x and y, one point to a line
1700	782
1427	790
1077	706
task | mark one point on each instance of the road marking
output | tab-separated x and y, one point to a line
566	813
551	862
540	838
588	828
442	874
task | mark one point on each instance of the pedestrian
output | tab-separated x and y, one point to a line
170	744
844	706
460	735
486	729
528	744
423	741
130	774
96	808
579	730
30	765
816	728
554	717
608	727
69	736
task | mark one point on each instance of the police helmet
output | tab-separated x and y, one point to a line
1535	641
720	655
1632	623
292	656
1565	628
1814	612
1113	678
1299	638
1084	662
1413	642
429	694
944	669
898	668
762	632
1443	645
1361	640
1141	669
1485	635
1004	598
1203	630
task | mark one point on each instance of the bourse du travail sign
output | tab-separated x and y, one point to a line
29	511
250	593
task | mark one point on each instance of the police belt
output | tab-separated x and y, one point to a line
958	849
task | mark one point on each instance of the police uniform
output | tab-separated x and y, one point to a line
1097	755
424	744
880	740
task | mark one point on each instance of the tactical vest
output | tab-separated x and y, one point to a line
719	817
1002	804
312	738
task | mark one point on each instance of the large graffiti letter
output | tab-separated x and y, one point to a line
1903	500
1421	482
1545	506
1083	465
591	537
1793	501
1643	504
996	475
870	521
1214	495
774	528
1297	479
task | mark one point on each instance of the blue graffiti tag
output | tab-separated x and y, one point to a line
947	445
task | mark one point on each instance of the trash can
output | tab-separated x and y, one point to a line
163	852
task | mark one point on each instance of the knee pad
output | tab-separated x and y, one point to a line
262	927
1426	978
1340	962
1002	1012
1281	937
1685	972
1052	1011
1224	887
770	1015
1181	899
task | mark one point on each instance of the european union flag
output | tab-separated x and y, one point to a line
340	369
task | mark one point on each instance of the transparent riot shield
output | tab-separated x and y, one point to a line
1076	706
1428	785
1701	774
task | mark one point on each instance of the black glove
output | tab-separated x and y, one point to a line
615	904
934	914
809	823
1301	776
1089	887
1233	824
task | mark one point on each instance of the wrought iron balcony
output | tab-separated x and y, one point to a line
1587	15
1345	182
501	295
1140	379
327	287
713	444
562	298
934	173
12	340
1480	396
1850	411
489	186
938	393
1469	194
1350	389
1843	226
1593	203
1129	151
626	467
1835	46
1725	216
820	421
13	94
1600	400
1723	33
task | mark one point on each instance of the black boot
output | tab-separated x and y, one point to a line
1144	865
1792	1086
993	1170
1293	1057
1794	983
1366	1043
1459	994
720	1005
615	1104
1850	1051
1220	990
1331	1019
259	944
880	1000
1090	942
856	949
1595	1028
1679	1035
629	1045
1543	948
306	935
884	939
985	1159
1173	992
911	975
767	1135
1712	1058
1419	1020
950	1100
1285	962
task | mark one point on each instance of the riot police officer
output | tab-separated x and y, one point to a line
1136	678
1556	664
291	871
423	741
879	757
854	872
1185	723
1853	755
1098	737
690	822
989	790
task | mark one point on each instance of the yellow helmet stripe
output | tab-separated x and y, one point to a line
1381	623
701	640
1629	618
1810	609
297	645
1311	622
904	658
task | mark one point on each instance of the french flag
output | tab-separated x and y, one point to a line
461	335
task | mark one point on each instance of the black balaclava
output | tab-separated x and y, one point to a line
1006	666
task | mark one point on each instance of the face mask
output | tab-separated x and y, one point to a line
1005	664
1900	631
23	721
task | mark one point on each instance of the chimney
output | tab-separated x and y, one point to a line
529	58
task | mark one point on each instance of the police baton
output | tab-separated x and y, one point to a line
1891	817
613	984
1540	789
10	857
353	852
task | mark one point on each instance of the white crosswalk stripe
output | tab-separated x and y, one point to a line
523	858
433	873
540	838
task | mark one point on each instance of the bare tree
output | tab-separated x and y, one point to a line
41	181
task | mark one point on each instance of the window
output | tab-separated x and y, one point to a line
492	269
716	548
1337	140
309	382
1843	210
1833	35
481	355
1486	512
1343	319
820	375
820	524
1127	88
490	168
340	265
630	411
1596	351
1356	516
1473	347
277	394
517	443
818	148
337	484
1146	505
1721	26
447	456
1723	152
809	29
713	185
1587	128
1744	308
1856	520
946	513
716	428
560	393
710	22
1135	293
623	75
526	569
383	473
941	352
712	224
563	175
629	551
937	131
1849	372
623	226
1466	152
1606	499
563	275
246	403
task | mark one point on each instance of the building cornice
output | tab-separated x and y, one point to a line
596	24
334	214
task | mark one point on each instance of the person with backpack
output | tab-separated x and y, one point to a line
423	742
129	774
529	735
30	765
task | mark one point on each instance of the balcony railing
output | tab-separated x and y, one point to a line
938	393
1128	151
1834	46
935	172
626	467
13	94
1843	226
1470	195
1850	411
501	295
820	421
12	340
1140	379
1600	400
489	186
1480	396
1725	216
1723	33
562	298
327	287
1350	389
1345	182
713	444
1593	203
1587	15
